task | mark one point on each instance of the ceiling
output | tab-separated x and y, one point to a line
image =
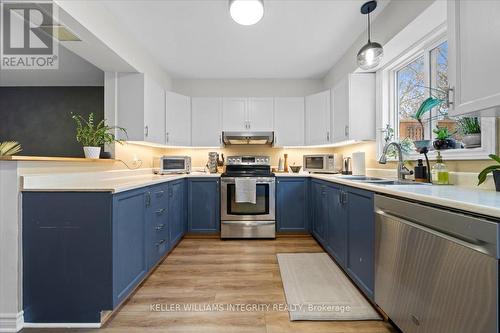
198	39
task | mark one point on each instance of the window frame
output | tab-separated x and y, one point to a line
387	103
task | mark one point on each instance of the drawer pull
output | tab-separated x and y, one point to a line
160	227
160	242
160	211
159	193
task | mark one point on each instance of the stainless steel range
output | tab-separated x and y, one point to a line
252	218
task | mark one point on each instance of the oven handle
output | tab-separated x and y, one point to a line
250	223
231	181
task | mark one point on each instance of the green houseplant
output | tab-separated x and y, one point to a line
425	107
443	138
9	148
93	136
470	128
495	169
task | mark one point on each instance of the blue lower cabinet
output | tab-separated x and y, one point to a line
319	210
292	205
129	242
85	252
67	256
204	205
336	243
361	239
157	223
177	210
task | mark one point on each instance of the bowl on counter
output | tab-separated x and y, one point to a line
295	168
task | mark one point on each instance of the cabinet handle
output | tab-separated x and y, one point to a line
160	242
220	139
148	199
160	227
159	193
328	136
146	130
167	137
160	211
451	101
346	130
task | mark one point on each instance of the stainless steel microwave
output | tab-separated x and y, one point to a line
172	164
323	163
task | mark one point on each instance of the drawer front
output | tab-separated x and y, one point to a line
159	196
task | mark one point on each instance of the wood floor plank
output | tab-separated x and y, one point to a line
200	272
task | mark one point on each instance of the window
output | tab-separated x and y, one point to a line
409	80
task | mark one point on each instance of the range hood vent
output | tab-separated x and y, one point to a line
248	138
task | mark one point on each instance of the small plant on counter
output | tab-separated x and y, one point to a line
470	128
495	169
9	148
92	136
443	138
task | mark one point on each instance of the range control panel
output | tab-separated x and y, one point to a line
248	160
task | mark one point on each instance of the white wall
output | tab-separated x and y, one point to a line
246	87
73	71
97	19
395	17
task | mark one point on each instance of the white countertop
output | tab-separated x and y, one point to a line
485	202
87	183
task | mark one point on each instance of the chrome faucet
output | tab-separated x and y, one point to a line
402	169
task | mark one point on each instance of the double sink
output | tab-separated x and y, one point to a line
380	181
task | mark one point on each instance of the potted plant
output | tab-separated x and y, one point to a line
495	169
443	139
9	148
93	136
470	128
425	107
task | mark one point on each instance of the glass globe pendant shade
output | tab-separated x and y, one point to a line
370	55
246	12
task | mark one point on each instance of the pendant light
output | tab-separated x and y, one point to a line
371	53
246	12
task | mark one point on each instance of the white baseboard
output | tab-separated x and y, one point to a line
62	325
11	322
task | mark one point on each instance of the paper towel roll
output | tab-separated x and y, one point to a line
358	163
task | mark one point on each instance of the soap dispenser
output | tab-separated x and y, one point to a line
440	174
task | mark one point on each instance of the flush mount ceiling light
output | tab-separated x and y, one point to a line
246	12
371	53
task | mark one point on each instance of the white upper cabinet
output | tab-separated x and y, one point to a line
178	119
318	118
289	121
247	114
260	113
206	126
474	46
234	114
141	108
354	108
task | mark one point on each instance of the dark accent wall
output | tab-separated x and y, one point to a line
40	117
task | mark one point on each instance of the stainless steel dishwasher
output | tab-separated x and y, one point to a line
436	271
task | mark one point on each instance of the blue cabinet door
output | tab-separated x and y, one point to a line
129	242
361	235
291	201
203	205
319	204
337	224
177	210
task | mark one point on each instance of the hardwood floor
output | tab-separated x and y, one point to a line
211	271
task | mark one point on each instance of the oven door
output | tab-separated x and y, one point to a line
262	210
